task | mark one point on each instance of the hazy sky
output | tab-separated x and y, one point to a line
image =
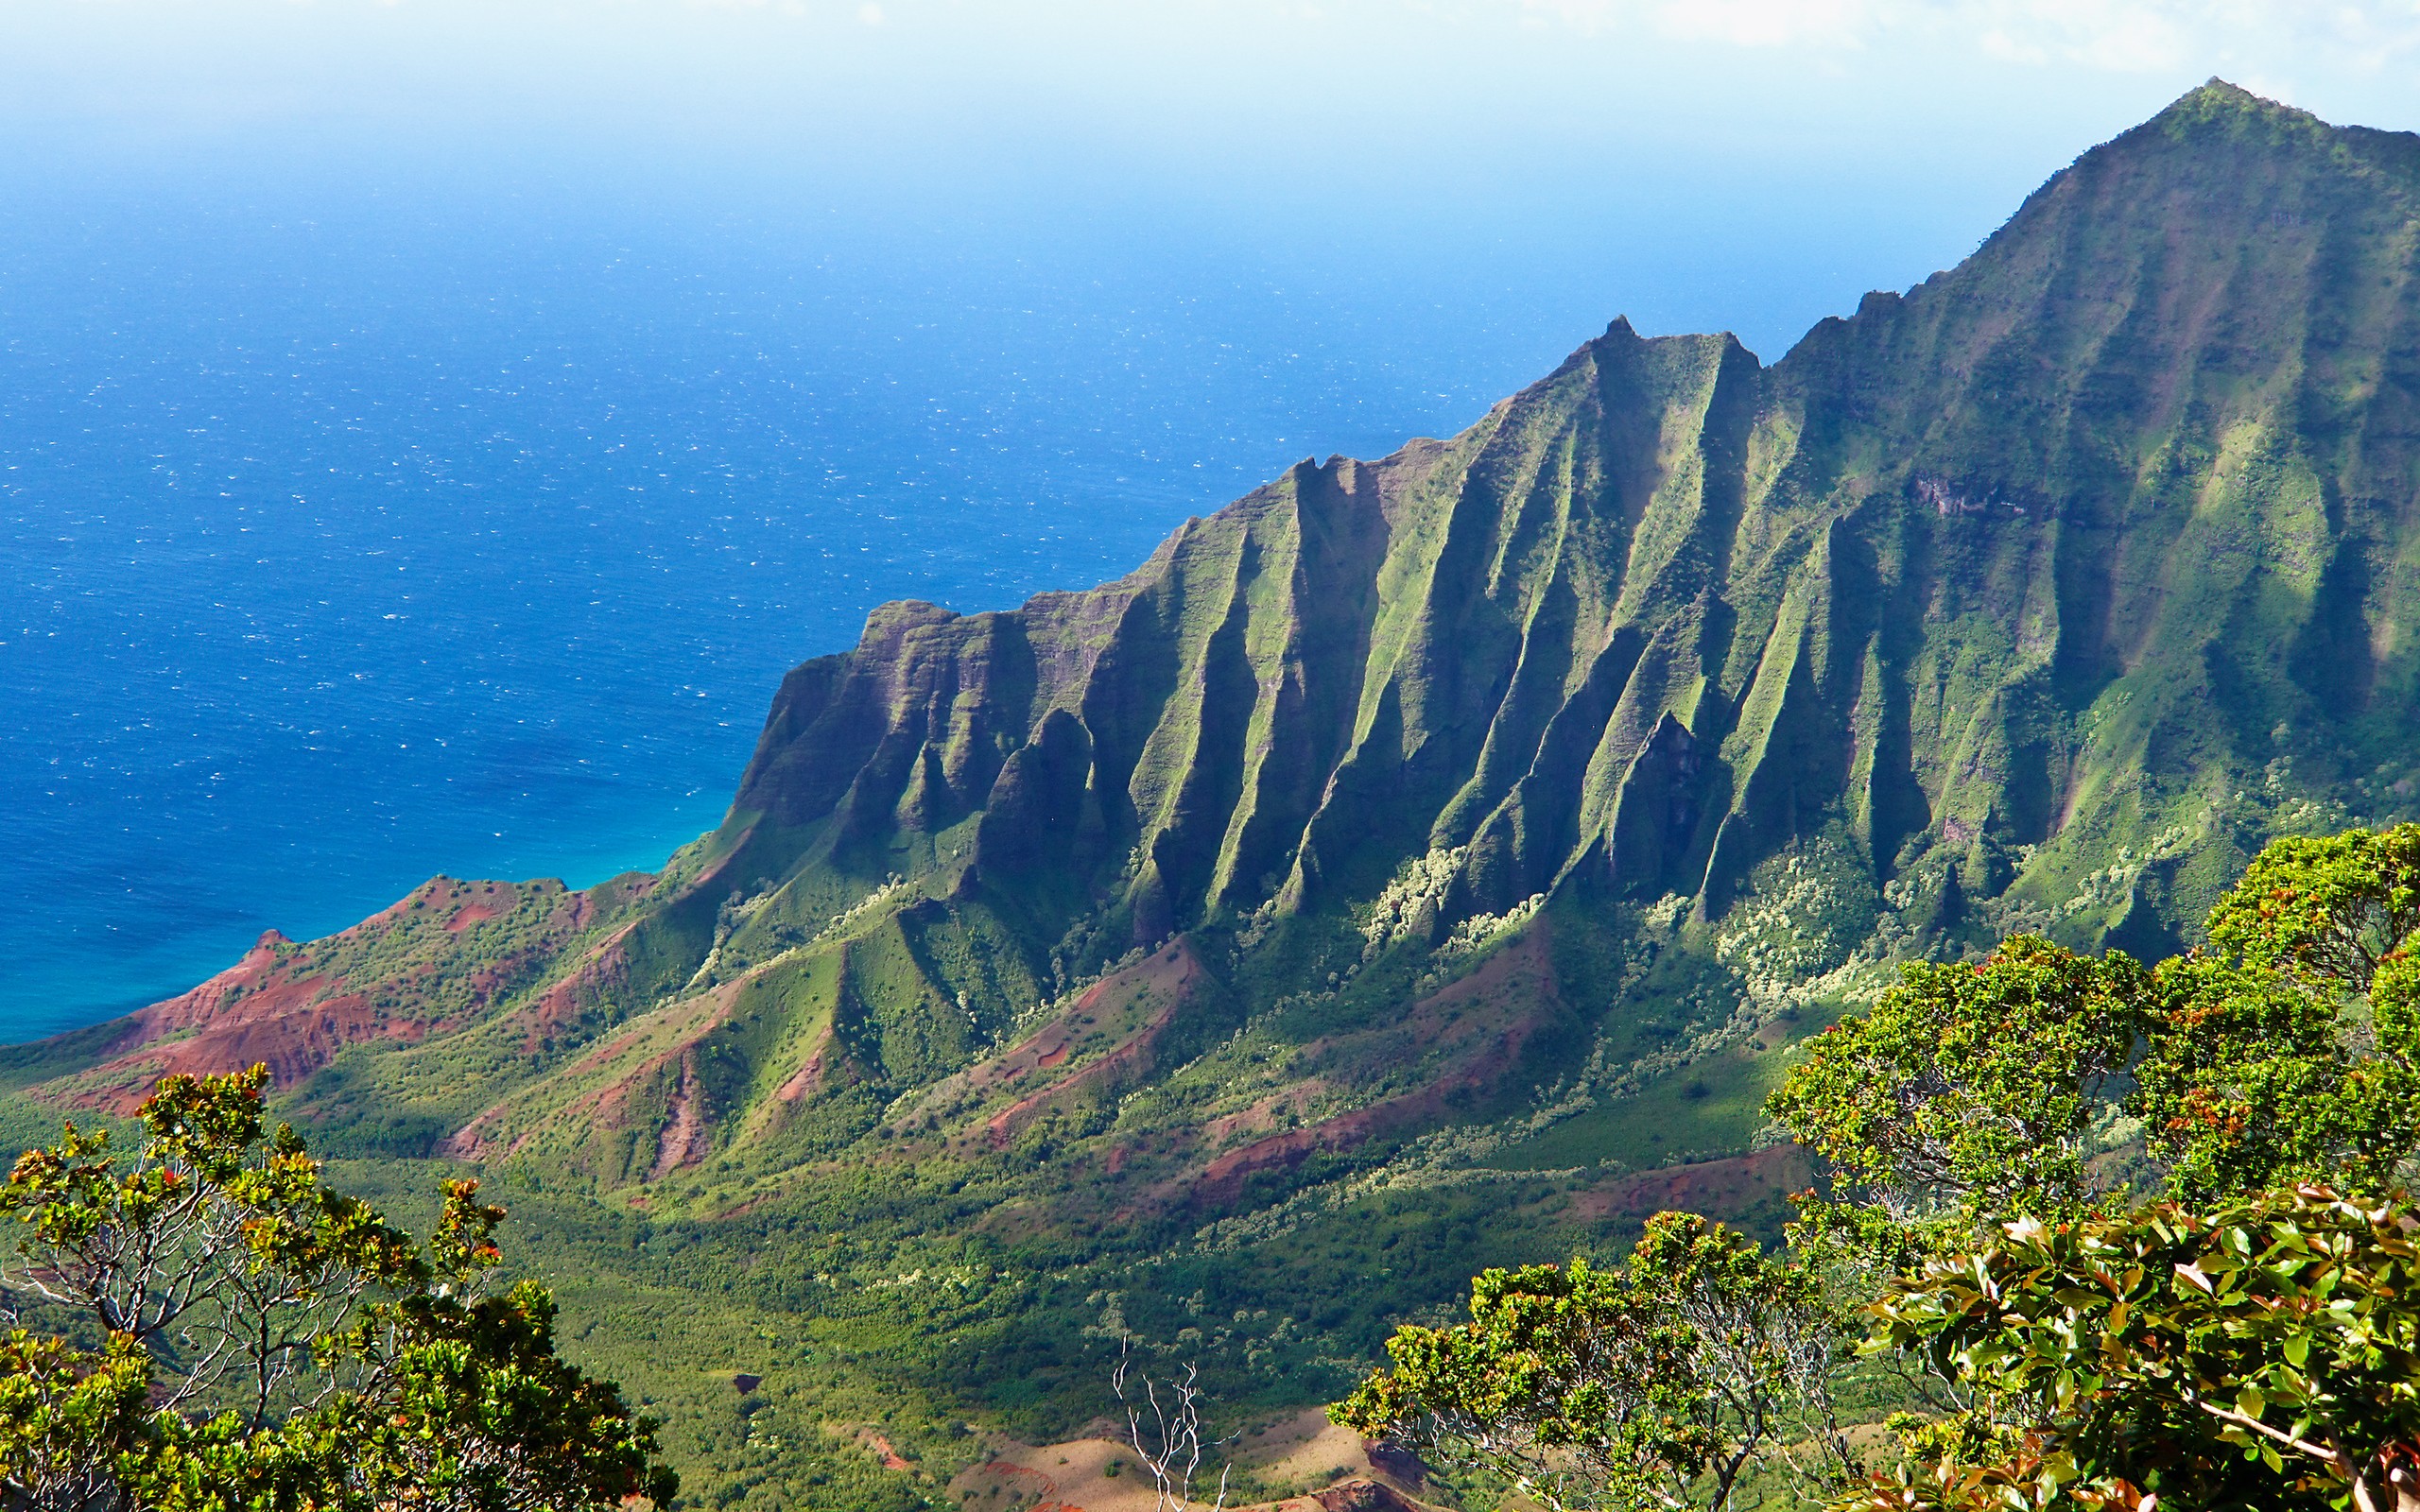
1689	148
1347	82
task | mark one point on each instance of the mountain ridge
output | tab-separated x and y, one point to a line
1457	840
1927	603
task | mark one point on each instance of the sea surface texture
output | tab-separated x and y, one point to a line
355	535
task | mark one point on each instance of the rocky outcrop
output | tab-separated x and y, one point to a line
1949	574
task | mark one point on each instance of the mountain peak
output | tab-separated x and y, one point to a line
2217	94
2218	107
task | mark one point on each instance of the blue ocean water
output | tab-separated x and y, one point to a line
352	532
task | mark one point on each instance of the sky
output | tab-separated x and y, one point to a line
1705	152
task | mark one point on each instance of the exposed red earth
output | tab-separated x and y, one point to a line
1477	1026
686	1135
1170	976
1097	1472
420	967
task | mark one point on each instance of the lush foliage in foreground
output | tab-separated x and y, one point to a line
2252	1339
261	1341
1693	1361
2265	1352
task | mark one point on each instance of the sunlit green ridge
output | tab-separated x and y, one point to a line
1494	808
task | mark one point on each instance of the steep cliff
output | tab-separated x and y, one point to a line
1675	700
2068	544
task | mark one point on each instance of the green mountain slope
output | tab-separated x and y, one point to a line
1452	844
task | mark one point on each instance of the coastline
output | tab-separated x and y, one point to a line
37	996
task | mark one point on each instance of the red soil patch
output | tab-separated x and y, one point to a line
563	1005
1262	1116
294	1009
1368	1478
258	1010
605	1106
687	1137
1355	1495
1022	1481
1486	1045
809	1074
1175	972
883	1449
468	913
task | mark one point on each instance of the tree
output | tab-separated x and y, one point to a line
1970	1089
2252	1341
2289	1048
2264	1353
65	1414
1621	1389
266	1341
2329	912
2244	1344
1164	1424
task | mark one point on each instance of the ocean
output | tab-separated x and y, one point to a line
358	530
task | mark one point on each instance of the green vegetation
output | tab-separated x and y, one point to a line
2058	1340
2262	1352
255	1339
1972	1088
1641	1387
1438	864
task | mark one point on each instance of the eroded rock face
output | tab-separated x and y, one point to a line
2053	542
2033	597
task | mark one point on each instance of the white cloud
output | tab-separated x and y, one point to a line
2122	35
